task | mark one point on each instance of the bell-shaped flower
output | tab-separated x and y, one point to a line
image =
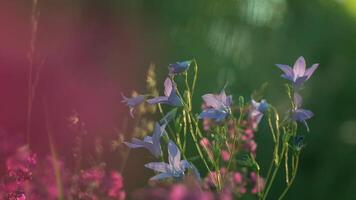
218	106
299	74
299	114
175	168
133	102
256	112
179	67
152	144
170	95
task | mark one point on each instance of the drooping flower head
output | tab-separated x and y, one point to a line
133	102
299	74
256	112
218	106
298	142
174	169
170	95
299	114
152	144
179	67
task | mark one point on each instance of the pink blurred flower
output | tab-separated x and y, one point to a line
115	188
225	155
237	177
258	181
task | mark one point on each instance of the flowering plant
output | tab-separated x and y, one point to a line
223	163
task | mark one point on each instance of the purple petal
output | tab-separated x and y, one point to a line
179	67
173	155
158	166
136	143
157	100
217	115
299	67
184	165
301	115
148	139
134	101
174	99
161	176
311	70
211	101
291	78
288	71
168	87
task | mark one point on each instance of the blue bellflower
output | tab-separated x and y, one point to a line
298	114
178	67
152	144
174	169
256	111
170	95
299	74
218	106
133	102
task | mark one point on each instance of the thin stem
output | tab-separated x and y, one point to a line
195	76
286	165
292	179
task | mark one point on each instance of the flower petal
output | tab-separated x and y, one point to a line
161	176
184	165
158	166
288	71
173	155
168	87
299	67
311	70
134	145
217	115
211	101
301	115
156	100
174	99
179	67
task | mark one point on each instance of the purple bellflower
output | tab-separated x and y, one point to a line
218	106
133	102
174	169
256	111
179	67
152	144
170	95
298	114
299	74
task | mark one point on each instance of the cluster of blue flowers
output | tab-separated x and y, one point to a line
217	107
175	168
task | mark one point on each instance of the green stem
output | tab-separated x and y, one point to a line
292	179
